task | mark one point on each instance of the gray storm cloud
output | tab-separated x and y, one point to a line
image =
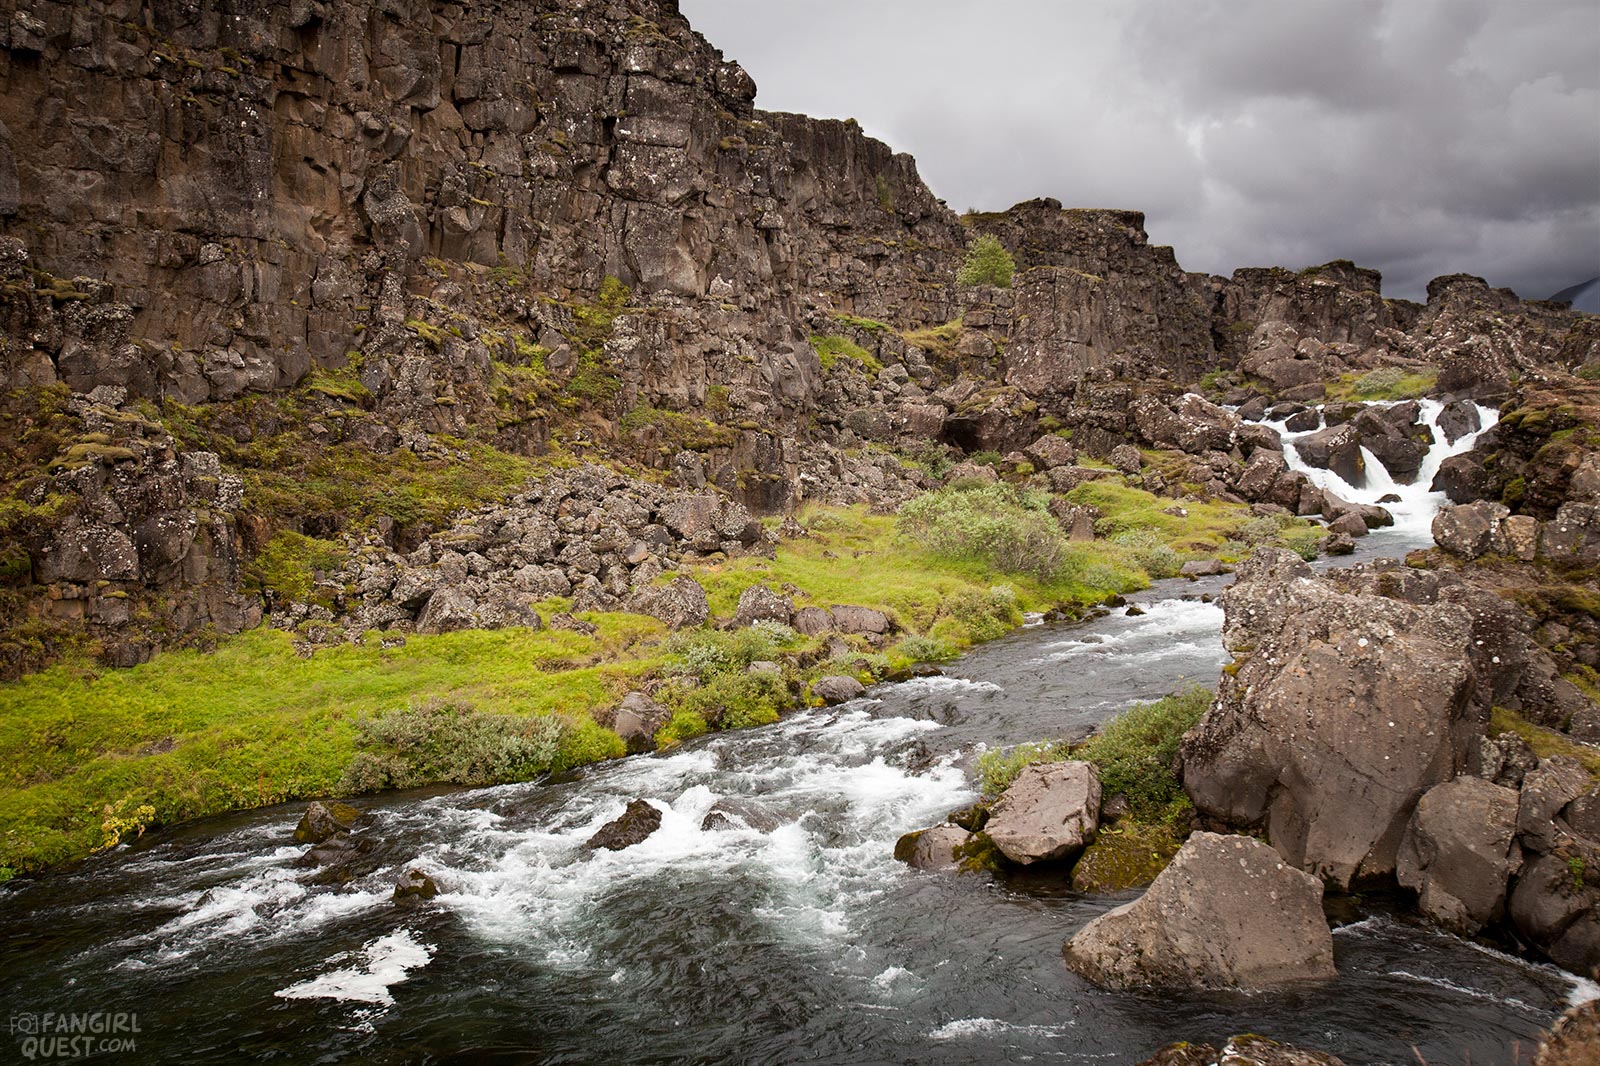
1421	137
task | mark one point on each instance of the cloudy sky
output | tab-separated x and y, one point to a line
1422	137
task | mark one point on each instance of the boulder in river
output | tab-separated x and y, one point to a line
1050	812
1337	448
324	819
932	849
633	825
1227	913
414	886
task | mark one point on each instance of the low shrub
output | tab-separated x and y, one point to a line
438	741
1150	552
922	649
1000	526
999	767
1135	750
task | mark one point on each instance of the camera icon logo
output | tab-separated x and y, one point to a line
26	1024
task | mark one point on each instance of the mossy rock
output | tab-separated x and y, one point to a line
1125	856
979	855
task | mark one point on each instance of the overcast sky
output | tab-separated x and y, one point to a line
1421	137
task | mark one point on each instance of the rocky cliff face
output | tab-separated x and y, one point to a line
387	233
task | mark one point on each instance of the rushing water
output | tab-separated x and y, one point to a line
795	939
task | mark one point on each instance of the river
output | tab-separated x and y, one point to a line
798	939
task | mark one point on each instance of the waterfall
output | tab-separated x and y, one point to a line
1417	504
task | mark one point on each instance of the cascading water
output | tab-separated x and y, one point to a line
1417	504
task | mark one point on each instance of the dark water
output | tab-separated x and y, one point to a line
804	944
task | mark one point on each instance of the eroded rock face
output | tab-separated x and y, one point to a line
1344	710
1049	813
1227	913
1460	851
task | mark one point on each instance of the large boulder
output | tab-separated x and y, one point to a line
1341	710
1460	851
1050	812
1463	479
863	621
637	720
1227	913
1459	418
837	688
1556	905
1572	537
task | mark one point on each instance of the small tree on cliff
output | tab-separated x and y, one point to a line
988	263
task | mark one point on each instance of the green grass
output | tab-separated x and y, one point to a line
1384	383
192	734
834	350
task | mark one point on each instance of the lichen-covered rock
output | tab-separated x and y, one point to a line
681	604
759	603
1228	912
1471	530
1049	813
864	621
1460	851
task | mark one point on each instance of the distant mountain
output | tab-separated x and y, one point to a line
1584	296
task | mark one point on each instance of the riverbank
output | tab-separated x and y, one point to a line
90	756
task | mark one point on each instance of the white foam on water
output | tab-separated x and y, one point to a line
971	1027
385	962
1417	506
944	683
1464	990
824	775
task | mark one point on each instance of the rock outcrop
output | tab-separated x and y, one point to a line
1227	913
1343	710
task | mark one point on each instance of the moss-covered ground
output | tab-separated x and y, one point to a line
88	755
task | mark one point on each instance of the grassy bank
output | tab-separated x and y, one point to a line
89	756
